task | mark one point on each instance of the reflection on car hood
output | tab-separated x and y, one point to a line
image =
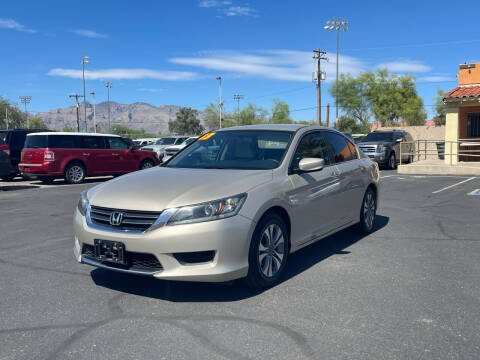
160	188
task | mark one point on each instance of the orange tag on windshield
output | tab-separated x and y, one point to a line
206	136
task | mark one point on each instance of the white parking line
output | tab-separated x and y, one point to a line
451	186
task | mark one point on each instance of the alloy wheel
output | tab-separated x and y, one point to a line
147	165
271	250
75	173
369	209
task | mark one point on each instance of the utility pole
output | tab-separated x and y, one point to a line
84	61
220	103
319	55
328	114
6	117
76	96
108	85
238	97
26	100
94	116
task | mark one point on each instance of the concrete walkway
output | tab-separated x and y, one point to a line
438	167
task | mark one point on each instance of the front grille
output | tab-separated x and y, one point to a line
147	149
368	148
134	260
132	219
171	152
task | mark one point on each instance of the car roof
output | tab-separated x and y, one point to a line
279	127
70	133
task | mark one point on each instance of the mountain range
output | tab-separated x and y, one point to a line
153	119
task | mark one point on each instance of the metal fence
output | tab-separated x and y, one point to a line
466	150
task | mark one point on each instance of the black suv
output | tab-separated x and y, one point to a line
15	140
383	146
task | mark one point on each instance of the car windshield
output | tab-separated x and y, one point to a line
378	136
189	141
235	149
166	141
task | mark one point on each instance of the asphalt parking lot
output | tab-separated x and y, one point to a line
409	290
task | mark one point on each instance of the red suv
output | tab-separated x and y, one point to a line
49	155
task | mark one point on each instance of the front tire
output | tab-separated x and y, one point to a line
268	253
75	173
368	212
392	161
147	164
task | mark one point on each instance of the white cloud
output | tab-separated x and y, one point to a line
89	33
227	8
405	66
152	90
127	74
436	79
290	65
13	25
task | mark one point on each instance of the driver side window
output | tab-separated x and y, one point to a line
312	145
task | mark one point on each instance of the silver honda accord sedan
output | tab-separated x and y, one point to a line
233	204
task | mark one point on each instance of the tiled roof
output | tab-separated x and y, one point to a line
462	92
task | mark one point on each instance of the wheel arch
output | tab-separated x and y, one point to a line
282	212
75	161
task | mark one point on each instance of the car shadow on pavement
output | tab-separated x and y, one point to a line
179	291
17	187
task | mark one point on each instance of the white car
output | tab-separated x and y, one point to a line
172	150
159	146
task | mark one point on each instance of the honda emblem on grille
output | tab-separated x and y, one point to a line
116	218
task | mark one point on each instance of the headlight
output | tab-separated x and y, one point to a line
83	203
212	210
381	148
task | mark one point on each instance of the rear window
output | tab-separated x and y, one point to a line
36	142
61	141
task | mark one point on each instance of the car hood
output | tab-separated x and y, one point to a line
160	188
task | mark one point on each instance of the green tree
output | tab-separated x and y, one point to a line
353	97
186	122
350	124
125	131
211	117
252	114
440	109
16	118
280	113
36	122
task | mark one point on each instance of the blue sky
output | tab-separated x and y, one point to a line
169	51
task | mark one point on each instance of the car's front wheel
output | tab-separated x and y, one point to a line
268	252
392	162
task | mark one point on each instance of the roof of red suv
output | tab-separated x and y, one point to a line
70	133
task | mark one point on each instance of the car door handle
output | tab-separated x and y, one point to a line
114	154
86	154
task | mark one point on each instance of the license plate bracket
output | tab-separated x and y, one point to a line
111	251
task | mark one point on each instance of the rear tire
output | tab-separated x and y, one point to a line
147	164
75	173
46	179
268	252
368	212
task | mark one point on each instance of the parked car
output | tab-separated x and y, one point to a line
5	163
74	156
143	142
384	147
236	203
159	146
172	150
15	139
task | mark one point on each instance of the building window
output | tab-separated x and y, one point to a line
473	125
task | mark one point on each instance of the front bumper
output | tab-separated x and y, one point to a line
380	158
229	238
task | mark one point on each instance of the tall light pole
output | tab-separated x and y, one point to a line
108	85
84	61
94	117
238	97
336	25
220	103
26	100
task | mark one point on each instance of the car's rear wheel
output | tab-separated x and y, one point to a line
46	179
392	162
146	164
268	252
368	212
75	173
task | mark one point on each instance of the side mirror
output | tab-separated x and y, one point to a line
311	164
